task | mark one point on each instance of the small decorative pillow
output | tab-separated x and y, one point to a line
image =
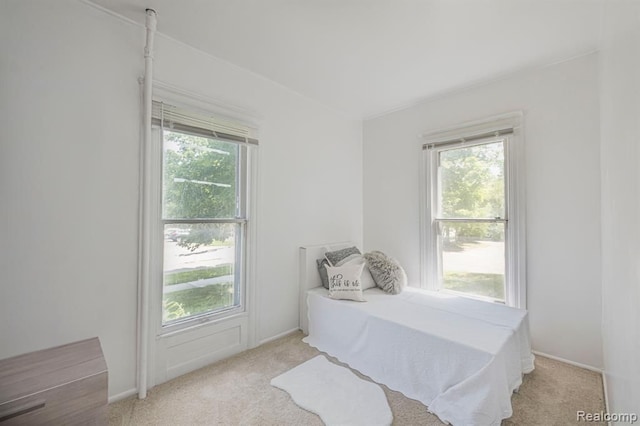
366	278
344	282
386	271
333	257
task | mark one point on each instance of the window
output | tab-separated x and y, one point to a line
473	213
204	214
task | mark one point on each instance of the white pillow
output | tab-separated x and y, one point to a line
344	282
366	278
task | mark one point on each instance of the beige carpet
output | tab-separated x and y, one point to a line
236	391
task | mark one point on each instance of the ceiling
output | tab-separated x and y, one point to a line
367	57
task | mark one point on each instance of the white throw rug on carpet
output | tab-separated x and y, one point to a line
335	394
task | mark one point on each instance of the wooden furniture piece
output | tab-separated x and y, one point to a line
62	385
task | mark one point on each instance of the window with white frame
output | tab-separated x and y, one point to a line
473	211
203	214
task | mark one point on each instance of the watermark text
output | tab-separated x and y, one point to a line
583	416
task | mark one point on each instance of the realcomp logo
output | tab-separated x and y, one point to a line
583	416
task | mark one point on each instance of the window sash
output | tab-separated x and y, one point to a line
437	219
434	152
508	125
241	219
440	243
241	190
239	286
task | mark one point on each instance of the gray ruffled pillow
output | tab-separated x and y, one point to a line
386	272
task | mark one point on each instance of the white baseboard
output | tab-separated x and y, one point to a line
134	391
122	395
566	361
277	336
606	394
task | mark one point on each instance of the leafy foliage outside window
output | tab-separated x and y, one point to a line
471	193
472	187
199	183
185	303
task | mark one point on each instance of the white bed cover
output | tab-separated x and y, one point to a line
462	358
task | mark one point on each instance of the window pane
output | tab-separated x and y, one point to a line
200	178
473	258
472	181
199	269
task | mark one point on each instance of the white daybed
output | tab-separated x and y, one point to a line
462	358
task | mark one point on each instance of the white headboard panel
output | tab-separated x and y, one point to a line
309	276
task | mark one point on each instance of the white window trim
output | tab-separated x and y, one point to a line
194	321
153	241
516	291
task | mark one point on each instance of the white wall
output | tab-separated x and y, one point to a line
69	134
561	116
310	172
620	130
